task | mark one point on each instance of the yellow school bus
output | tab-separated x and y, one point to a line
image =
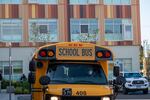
70	71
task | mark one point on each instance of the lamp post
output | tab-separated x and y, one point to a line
10	71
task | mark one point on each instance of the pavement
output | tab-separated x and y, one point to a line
5	96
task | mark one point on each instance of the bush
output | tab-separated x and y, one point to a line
4	84
18	90
26	91
20	87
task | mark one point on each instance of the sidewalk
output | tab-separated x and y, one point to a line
5	96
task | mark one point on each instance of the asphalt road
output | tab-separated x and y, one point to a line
134	95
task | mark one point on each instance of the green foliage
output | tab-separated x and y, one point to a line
21	90
4	84
26	91
141	57
18	90
20	87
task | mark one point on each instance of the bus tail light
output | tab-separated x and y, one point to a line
103	54
46	53
99	54
43	53
50	53
107	54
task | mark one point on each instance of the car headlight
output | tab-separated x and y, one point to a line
105	98
145	81
54	98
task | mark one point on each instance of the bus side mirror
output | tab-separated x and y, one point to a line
32	65
44	80
116	71
31	78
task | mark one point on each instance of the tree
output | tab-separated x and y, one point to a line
141	57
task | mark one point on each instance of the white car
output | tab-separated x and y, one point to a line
135	82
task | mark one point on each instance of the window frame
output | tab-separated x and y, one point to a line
49	2
15	63
86	3
9	21
123	24
40	22
10	2
80	22
113	3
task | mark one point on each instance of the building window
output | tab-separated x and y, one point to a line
117	2
85	30
17	69
43	1
84	2
125	65
118	29
43	30
10	1
11	30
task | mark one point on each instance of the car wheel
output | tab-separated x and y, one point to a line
125	91
145	91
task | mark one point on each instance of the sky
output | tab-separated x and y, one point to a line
145	19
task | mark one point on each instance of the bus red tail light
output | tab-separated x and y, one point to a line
43	53
107	54
103	54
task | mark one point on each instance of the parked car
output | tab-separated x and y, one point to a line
135	82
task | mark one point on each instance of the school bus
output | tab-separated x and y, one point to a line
70	71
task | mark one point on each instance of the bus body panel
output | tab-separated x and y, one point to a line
89	90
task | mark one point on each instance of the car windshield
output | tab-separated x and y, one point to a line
132	75
74	73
